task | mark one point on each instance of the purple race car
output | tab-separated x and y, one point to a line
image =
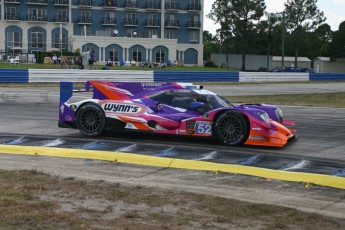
172	108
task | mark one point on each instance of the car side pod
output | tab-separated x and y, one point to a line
277	136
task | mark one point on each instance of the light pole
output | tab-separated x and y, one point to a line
283	39
282	14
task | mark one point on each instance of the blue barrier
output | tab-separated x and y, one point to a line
195	76
326	76
26	76
14	76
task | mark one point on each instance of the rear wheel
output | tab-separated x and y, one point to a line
90	120
231	128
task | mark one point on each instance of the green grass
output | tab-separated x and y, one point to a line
335	100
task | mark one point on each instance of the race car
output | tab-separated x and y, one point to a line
171	108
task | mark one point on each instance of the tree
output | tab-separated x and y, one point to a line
237	19
210	44
301	16
337	47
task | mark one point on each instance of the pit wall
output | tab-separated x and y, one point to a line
74	75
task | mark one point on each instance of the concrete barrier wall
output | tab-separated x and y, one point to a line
44	75
77	75
272	77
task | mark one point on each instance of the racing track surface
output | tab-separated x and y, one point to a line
31	113
321	131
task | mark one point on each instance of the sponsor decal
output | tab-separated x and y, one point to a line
256	129
74	107
150	85
122	108
257	138
69	118
182	131
159	106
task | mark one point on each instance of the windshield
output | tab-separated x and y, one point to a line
183	99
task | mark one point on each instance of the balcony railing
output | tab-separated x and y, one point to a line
109	4
152	23
36	18
172	24
172	6
37	2
12	1
193	25
131	5
60	19
152	6
108	21
85	3
194	7
61	2
130	22
84	20
12	17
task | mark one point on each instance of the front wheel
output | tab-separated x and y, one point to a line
90	120
231	128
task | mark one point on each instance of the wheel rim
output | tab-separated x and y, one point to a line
90	120
230	129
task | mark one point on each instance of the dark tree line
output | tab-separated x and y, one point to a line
245	28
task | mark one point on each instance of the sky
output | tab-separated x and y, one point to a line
334	11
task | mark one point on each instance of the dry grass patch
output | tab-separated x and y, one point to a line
33	200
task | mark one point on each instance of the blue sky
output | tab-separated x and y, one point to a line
334	11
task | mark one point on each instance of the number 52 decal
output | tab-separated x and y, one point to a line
203	128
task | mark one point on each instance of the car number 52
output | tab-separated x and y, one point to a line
203	128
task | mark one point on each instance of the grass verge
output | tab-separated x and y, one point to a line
335	100
33	200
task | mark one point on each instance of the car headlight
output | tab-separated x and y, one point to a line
264	116
279	114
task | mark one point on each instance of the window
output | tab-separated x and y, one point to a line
153	20
194	2
137	55
152	33
10	12
56	41
13	39
194	35
160	55
85	30
36	39
86	14
110	15
170	34
35	14
170	17
114	55
62	14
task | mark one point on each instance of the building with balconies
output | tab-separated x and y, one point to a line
120	30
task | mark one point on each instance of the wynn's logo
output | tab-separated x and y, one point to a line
122	108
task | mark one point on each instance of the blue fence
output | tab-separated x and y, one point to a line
32	75
326	76
14	76
195	76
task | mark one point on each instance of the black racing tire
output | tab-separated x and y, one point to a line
90	120
231	128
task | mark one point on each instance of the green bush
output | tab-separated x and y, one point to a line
210	64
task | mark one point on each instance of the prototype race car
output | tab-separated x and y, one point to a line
172	108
